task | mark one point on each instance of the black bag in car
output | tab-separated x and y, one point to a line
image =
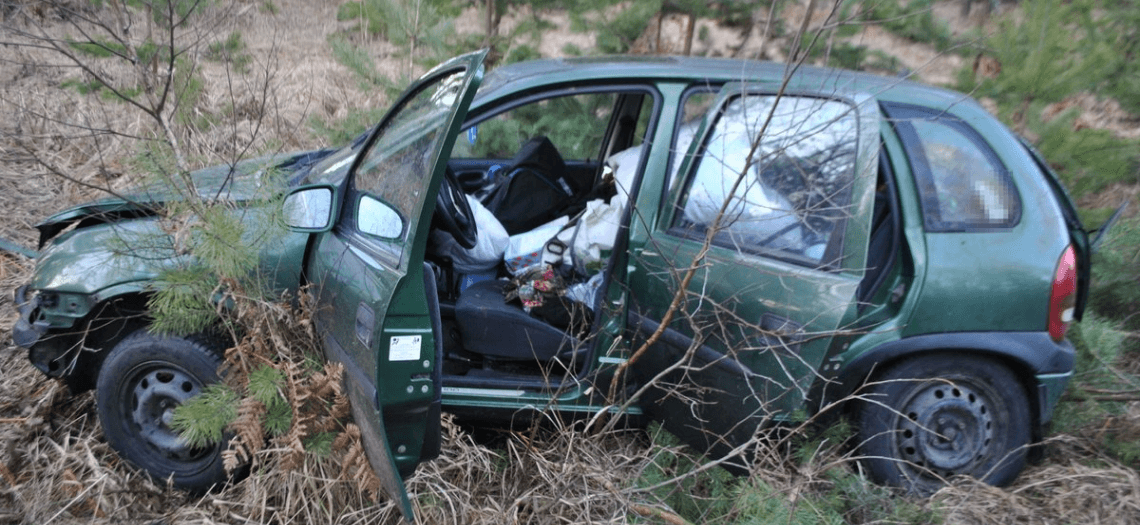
536	188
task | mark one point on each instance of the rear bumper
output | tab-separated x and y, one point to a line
1049	390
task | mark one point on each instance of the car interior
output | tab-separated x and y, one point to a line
490	337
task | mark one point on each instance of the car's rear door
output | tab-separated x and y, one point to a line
766	230
376	304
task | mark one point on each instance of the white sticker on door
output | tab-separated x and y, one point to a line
404	348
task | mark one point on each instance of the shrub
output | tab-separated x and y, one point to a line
1116	275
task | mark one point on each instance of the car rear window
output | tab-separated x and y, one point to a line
962	184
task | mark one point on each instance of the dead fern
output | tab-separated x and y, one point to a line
286	397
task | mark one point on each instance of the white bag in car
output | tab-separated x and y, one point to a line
589	241
489	246
526	249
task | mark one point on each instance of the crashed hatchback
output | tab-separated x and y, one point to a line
513	243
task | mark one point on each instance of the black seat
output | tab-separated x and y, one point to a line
494	328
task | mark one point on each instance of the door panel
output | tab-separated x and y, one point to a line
373	312
771	216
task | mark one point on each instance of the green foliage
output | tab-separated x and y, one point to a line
183	304
147	51
574	123
838	496
358	61
1116	275
1051	50
269	7
847	56
188	87
914	20
1089	160
99	49
855	57
1120	23
617	32
521	53
346	129
82	87
1098	342
370	13
223	246
858	500
278	418
569	49
320	444
1055	49
219	245
423	26
758	503
1103	349
697	497
202	419
164	12
264	384
188	91
230	50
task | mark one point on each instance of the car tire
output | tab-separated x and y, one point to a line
929	418
141	382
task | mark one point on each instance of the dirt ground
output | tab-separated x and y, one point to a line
54	466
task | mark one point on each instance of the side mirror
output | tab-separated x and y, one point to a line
309	209
376	217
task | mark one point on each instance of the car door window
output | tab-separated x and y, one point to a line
575	124
773	176
397	165
694	107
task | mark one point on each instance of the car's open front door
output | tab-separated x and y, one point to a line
377	310
767	225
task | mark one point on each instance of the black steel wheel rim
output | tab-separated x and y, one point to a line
149	398
944	429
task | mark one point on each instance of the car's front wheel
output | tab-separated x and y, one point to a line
142	381
929	418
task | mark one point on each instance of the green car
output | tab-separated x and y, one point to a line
719	245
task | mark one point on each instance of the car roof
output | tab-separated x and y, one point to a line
522	76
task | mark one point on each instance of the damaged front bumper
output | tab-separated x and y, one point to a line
28	330
45	328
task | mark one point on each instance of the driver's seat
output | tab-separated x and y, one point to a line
497	329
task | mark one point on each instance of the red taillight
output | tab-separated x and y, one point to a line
1063	299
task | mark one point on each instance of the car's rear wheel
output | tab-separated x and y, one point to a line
143	380
929	418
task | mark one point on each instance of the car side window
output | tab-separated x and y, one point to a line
961	182
575	124
694	106
781	169
397	165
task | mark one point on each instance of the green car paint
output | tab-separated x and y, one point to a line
815	332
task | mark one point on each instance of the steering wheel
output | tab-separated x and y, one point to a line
453	213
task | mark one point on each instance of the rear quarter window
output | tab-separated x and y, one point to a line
962	184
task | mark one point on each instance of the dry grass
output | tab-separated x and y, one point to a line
55	467
1076	485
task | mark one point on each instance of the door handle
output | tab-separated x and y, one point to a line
780	333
